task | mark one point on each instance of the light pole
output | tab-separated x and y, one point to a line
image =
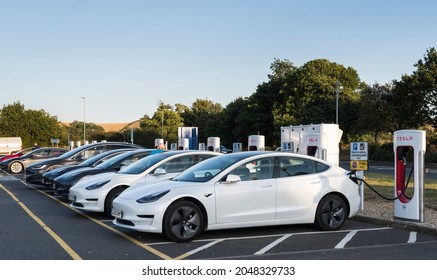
337	90
84	135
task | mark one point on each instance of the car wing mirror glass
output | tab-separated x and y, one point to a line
159	171
232	178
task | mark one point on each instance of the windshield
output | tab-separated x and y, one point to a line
100	158
207	169
125	159
144	163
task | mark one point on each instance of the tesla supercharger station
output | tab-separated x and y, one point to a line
71	145
202	147
190	133
316	145
256	143
317	140
323	142
173	146
292	137
159	142
213	144
237	147
409	148
183	143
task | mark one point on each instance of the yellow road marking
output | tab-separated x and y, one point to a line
144	246
61	242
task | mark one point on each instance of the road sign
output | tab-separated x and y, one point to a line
359	151
358	165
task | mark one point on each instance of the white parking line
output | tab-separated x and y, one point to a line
273	244
346	239
201	248
269	235
413	237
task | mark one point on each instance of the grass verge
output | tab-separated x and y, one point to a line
384	184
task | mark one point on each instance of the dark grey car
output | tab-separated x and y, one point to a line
34	172
17	165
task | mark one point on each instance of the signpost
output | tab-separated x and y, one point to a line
359	156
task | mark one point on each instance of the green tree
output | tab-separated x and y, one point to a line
31	125
163	124
231	126
374	116
272	105
93	132
427	77
319	82
13	120
203	115
409	106
415	96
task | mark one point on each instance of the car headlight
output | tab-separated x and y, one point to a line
152	197
96	185
39	166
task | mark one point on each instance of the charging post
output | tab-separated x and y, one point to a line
409	150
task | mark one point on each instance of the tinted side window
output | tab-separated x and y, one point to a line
116	146
255	170
199	158
320	167
294	166
133	158
178	164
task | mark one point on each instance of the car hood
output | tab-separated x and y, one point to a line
79	172
61	170
49	161
125	178
151	188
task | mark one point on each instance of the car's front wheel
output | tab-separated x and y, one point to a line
110	198
331	213
16	167
183	221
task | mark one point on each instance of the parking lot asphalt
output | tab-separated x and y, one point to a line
37	225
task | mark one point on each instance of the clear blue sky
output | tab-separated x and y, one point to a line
125	56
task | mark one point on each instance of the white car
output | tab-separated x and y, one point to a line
244	189
97	192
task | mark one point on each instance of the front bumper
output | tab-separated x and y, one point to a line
86	201
33	177
140	217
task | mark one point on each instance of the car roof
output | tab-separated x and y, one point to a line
177	152
90	146
249	154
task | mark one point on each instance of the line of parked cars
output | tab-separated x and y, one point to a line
182	193
17	165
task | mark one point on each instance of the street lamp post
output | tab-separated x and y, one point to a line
337	90
84	135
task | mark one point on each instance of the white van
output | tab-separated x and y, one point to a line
9	145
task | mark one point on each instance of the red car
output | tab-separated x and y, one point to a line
16	154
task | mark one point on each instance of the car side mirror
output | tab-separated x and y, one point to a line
232	178
160	171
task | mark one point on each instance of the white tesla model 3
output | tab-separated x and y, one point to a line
245	189
96	193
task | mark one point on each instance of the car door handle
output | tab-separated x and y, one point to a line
316	182
266	186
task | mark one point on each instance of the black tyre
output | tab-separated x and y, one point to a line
110	198
331	213
16	167
183	221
